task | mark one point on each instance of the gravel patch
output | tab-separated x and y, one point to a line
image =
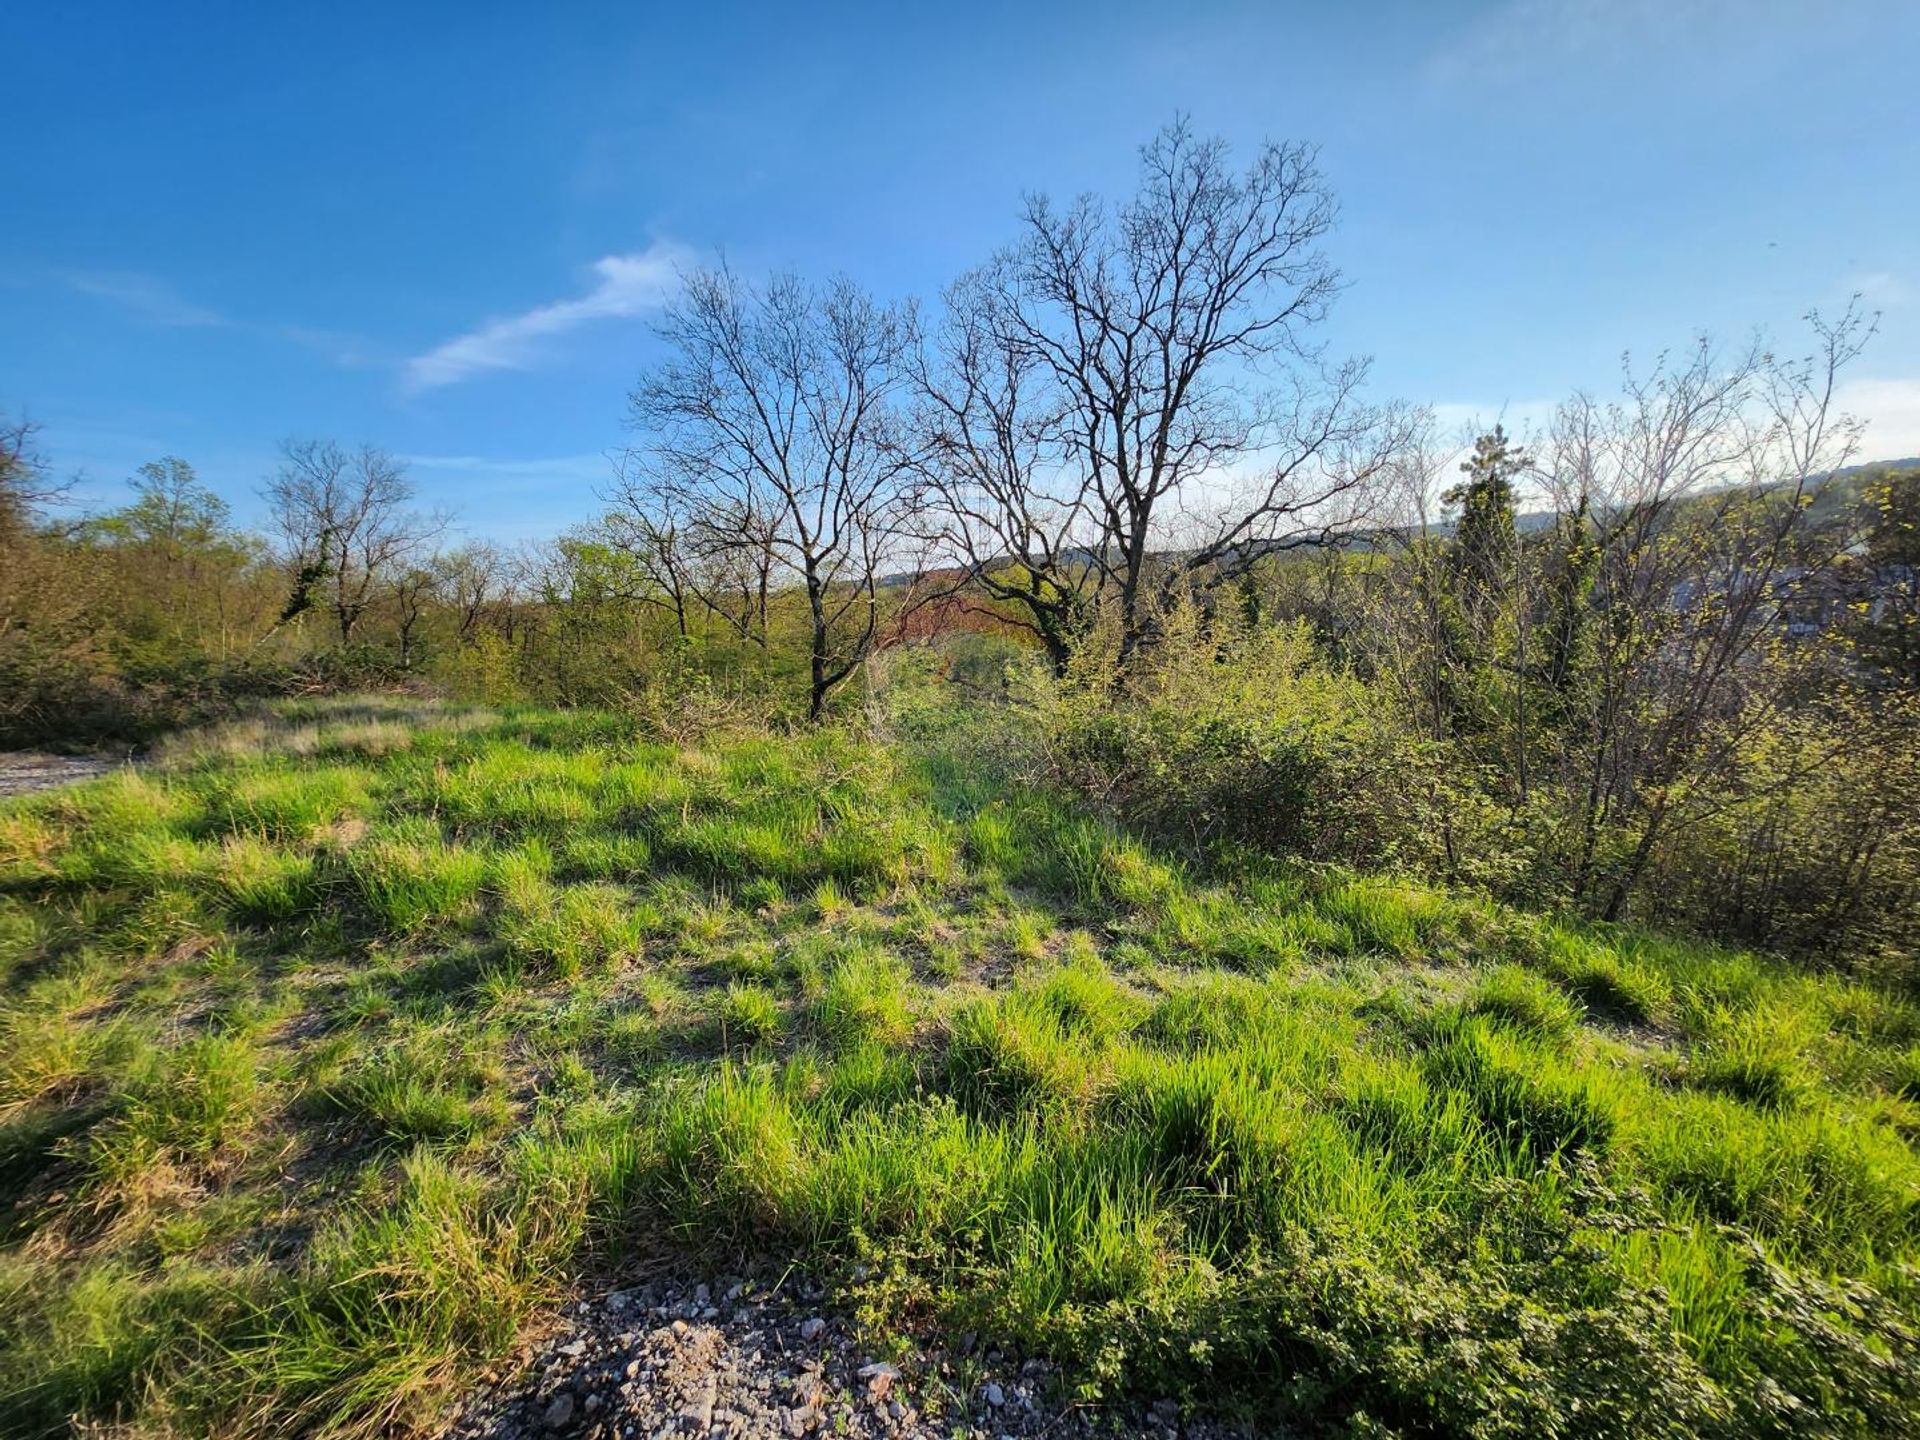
22	771
736	1358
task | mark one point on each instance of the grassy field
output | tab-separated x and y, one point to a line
336	1045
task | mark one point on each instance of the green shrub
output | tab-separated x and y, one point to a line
865	998
1232	732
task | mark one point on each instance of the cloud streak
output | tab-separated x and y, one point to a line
1890	405
151	299
1524	38
624	286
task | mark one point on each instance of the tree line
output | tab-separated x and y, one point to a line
1659	656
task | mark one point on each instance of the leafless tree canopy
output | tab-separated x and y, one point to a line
1133	397
772	439
24	482
1003	493
345	525
475	582
690	564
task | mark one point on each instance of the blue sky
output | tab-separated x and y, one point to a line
442	228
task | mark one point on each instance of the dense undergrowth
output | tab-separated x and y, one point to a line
336	1044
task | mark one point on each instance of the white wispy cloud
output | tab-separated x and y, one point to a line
1881	287
149	298
624	286
590	467
1891	408
1526	37
1889	405
154	301
1521	418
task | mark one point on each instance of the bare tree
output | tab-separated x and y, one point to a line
1697	483
412	592
475	582
734	580
344	520
1193	425
771	431
25	482
649	527
1005	497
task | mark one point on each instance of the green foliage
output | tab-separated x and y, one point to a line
1239	733
426	1087
1485	545
410	878
1885	623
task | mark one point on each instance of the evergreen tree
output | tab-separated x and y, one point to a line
1486	543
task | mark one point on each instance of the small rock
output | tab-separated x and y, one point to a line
560	1411
796	1422
700	1410
574	1349
701	1294
811	1328
993	1395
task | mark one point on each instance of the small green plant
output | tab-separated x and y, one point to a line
1755	1055
264	885
432	1088
573	929
412	879
183	1105
1523	1000
751	1014
865	998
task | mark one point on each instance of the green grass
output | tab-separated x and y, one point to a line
337	1044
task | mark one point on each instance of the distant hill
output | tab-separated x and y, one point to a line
1831	491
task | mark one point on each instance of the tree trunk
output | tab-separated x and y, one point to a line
817	658
1642	852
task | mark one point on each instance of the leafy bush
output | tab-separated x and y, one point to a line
1229	732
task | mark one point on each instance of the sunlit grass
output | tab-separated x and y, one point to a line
337	1043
